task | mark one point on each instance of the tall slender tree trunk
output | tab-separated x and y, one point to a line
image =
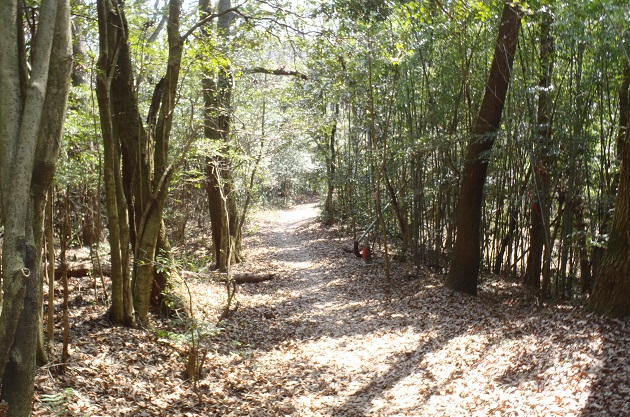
217	91
540	193
331	168
466	254
111	37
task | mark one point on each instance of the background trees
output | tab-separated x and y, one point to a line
369	105
554	149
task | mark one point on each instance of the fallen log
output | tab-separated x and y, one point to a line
81	269
245	278
250	278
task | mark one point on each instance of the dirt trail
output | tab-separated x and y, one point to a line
311	330
332	337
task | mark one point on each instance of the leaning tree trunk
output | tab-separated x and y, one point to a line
466	255
611	294
31	124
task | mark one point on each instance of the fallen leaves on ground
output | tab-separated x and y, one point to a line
334	337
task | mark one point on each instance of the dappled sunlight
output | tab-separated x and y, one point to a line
330	336
426	353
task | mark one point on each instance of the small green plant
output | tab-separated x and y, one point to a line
165	334
58	403
163	264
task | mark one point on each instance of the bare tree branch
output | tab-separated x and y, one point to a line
279	71
209	18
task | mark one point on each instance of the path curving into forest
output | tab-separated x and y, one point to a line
332	337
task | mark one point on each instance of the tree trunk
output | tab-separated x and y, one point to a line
137	189
50	272
465	259
30	132
611	294
217	91
540	194
608	205
331	167
110	38
149	226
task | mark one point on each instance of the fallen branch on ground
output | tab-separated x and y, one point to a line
245	278
81	269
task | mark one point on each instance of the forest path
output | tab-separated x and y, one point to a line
332	337
311	334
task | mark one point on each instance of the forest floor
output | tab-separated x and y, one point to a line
332	336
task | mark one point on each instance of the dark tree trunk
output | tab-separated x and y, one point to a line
217	91
466	255
540	200
329	205
611	294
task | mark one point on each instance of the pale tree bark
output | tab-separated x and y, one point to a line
31	120
466	255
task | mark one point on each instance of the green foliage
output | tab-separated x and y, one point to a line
407	78
377	10
197	330
58	403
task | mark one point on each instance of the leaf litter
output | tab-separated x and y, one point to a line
333	337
